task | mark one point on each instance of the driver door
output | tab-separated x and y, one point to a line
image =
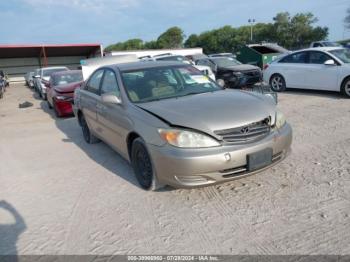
320	76
112	120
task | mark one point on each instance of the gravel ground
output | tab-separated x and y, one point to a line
59	195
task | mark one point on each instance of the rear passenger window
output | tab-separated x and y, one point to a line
297	58
93	85
110	84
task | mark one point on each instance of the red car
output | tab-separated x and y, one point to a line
60	91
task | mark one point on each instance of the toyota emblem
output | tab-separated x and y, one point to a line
245	130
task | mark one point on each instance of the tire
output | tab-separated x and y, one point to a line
277	83
88	136
142	165
43	96
345	87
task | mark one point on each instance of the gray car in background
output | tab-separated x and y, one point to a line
177	127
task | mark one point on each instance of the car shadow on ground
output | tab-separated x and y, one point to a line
318	93
101	153
10	232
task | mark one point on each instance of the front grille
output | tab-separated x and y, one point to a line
252	77
246	134
254	73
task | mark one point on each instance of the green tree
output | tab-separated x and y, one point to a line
171	38
192	41
151	45
133	44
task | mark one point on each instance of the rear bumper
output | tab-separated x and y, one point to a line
199	167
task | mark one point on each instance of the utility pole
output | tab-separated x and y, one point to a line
251	21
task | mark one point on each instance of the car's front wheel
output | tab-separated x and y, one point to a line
345	88
88	136
277	83
142	165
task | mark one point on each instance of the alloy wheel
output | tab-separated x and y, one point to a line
347	88
277	83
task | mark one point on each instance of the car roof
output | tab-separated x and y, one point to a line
54	67
145	65
323	48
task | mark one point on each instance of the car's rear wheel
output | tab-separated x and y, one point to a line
49	105
88	136
345	88
142	165
277	83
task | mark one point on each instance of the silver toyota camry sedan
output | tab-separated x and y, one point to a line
177	127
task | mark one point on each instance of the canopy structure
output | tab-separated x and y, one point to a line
17	60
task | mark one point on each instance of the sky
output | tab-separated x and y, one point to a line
111	21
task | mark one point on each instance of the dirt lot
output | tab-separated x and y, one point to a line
73	198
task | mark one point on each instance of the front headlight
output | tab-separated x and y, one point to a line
280	119
187	139
238	74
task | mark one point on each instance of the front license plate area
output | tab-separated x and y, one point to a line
259	159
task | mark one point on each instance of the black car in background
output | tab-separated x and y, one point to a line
231	72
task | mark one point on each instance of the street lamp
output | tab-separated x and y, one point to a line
251	21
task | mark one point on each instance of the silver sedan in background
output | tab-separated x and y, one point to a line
178	127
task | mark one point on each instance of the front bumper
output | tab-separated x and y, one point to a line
199	167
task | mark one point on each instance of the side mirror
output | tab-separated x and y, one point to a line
330	62
110	98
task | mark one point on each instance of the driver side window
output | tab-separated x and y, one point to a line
93	85
110	84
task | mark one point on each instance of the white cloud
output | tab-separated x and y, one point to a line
98	6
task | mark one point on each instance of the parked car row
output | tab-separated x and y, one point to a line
56	85
3	83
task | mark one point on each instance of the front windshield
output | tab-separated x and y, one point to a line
67	78
226	62
159	83
342	54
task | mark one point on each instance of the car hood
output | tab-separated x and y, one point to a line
212	111
67	88
243	67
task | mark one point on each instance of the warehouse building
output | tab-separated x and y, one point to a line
17	60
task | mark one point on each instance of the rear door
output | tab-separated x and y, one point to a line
112	120
320	76
89	97
293	68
